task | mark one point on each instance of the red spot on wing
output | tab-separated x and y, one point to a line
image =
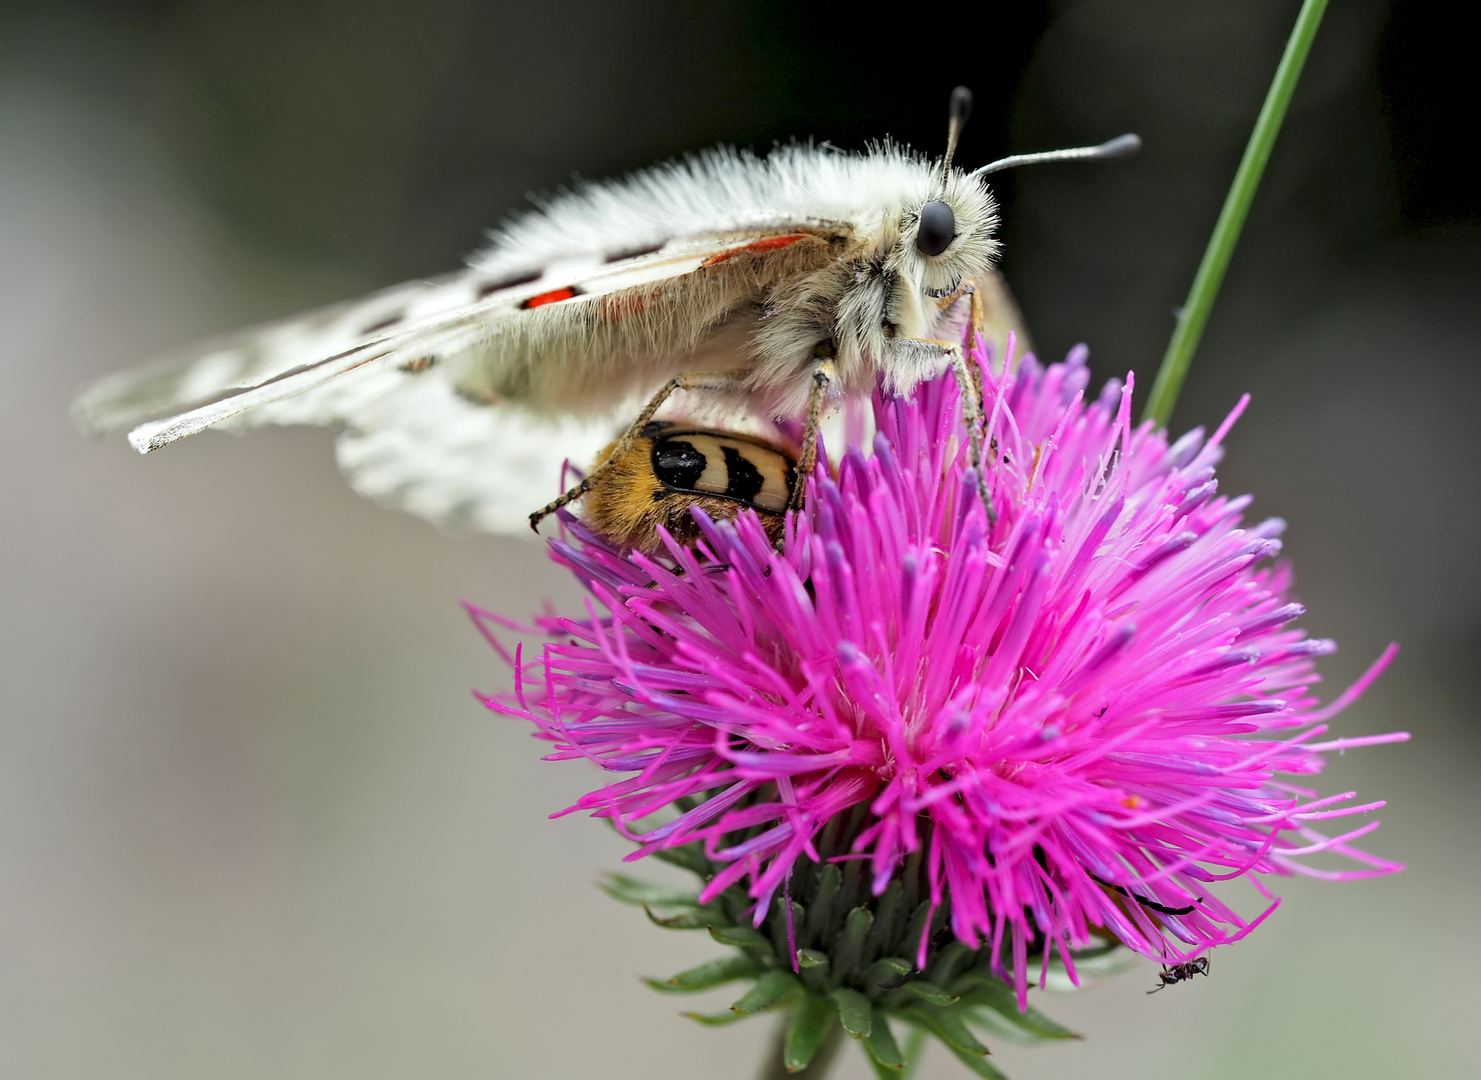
771	243
554	296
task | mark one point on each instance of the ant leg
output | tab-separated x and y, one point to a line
694	380
824	372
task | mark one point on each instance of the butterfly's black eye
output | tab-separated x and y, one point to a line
937	228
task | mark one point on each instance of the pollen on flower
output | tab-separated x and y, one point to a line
1072	722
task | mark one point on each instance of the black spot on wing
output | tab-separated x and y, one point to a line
488	288
633	253
385	324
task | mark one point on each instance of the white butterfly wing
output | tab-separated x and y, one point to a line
461	396
617	234
463	466
414	438
220	366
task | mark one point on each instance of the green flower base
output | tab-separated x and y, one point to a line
855	964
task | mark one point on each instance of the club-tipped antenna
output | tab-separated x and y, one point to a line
1119	147
960	109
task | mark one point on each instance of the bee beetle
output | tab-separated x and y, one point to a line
1181	972
668	469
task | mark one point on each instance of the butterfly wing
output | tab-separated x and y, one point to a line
413	373
459	397
465	467
231	363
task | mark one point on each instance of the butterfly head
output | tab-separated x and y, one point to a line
936	226
948	236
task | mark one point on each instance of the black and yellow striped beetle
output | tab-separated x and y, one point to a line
669	469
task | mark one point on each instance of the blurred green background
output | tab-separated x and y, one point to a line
251	821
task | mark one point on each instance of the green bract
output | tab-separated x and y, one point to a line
855	963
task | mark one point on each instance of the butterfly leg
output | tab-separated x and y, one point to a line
967	290
694	380
823	374
969	387
969	383
994	315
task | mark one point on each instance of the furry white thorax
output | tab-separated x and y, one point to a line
716	191
871	293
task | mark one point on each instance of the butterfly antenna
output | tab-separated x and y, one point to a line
1119	147
960	109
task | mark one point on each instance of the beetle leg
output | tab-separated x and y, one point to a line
823	374
694	380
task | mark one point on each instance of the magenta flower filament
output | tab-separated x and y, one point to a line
1075	719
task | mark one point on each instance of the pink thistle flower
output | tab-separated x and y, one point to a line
1074	715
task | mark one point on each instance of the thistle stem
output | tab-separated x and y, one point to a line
1195	311
773	1066
915	1044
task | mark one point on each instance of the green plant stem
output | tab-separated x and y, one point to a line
915	1044
773	1066
1195	312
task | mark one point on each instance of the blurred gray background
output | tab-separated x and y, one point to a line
252	823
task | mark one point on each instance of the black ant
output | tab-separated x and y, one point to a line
1179	972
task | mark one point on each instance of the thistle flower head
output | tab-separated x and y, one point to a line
1073	717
